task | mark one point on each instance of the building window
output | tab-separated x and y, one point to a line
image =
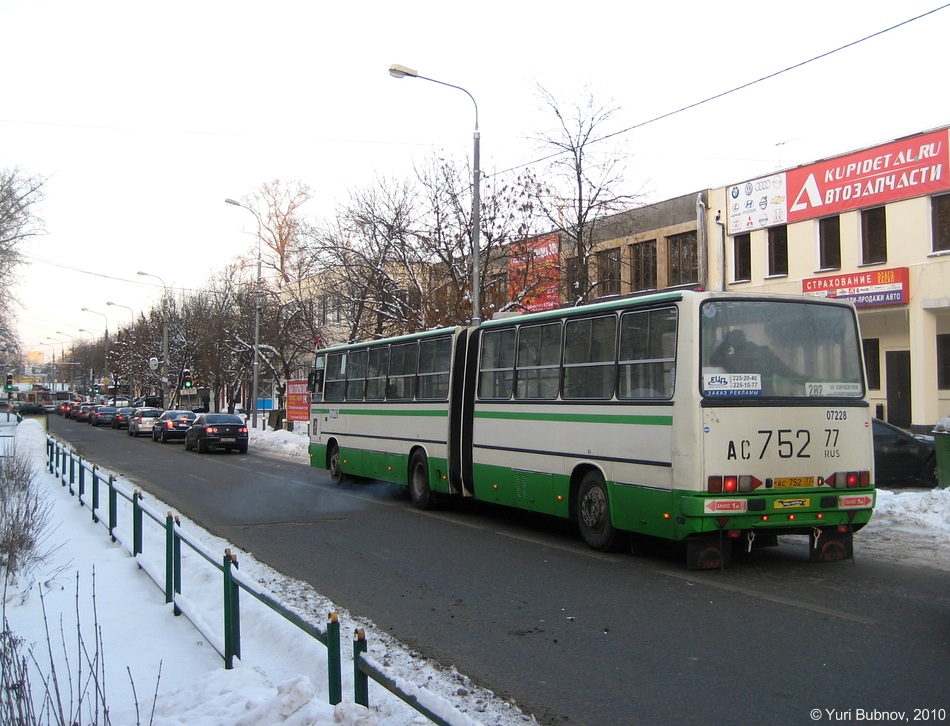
829	243
574	279
943	362
643	265
684	265
872	362
874	235
742	257
608	272
778	251
940	212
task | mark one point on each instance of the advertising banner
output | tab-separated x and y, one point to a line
298	401
864	289
912	167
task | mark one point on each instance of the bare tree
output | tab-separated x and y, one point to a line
19	197
279	224
587	177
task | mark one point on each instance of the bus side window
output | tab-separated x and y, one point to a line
402	371
647	354
497	364
356	376
435	359
316	378
336	377
539	361
590	354
377	368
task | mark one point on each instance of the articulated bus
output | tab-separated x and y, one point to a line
716	419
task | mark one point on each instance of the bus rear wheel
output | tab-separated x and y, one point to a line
593	514
333	464
419	490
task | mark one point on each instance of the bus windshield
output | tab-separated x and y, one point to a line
787	349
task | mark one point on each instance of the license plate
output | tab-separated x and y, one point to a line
228	440
789	482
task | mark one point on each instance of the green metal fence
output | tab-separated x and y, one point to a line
85	480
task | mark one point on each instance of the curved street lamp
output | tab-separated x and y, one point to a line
400	71
256	366
131	381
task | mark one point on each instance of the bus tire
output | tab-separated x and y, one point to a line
334	465
419	490
593	514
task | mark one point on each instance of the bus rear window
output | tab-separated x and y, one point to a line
786	349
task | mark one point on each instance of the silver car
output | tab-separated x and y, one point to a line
142	420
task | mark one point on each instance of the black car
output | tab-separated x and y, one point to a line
217	430
122	416
102	416
172	425
903	459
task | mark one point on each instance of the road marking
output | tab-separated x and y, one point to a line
771	598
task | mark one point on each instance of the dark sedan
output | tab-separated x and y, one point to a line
217	430
102	416
122	416
903	459
172	425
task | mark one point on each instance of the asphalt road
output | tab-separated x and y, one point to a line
518	603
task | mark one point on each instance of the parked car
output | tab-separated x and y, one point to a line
142	420
102	416
217	430
122	416
172	425
901	458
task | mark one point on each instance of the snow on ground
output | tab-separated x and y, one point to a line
160	670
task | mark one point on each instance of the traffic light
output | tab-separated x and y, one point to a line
96	389
186	375
9	382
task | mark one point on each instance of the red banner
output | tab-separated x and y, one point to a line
912	167
298	401
533	273
864	289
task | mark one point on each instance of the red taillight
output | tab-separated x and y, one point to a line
242	430
730	483
849	479
714	485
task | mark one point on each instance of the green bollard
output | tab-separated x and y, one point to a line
334	668
360	680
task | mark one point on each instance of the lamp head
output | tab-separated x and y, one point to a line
398	71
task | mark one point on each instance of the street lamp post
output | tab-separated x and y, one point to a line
131	374
256	365
62	357
105	368
164	332
399	71
72	352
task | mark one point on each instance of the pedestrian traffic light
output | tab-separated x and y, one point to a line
9	381
96	389
186	375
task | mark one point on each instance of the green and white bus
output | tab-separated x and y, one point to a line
689	416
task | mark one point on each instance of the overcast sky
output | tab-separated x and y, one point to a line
145	117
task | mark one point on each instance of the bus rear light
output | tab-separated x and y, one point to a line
849	479
730	483
748	483
714	485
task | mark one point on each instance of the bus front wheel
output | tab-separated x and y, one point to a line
593	514
419	489
333	464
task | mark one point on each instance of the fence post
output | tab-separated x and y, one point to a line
95	491
136	523
169	557
113	507
232	613
177	611
72	470
81	483
335	674
360	681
